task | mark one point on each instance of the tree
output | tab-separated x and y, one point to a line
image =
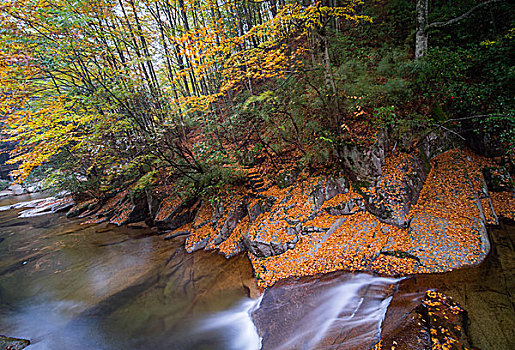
423	25
118	83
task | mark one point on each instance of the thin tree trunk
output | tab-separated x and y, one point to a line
421	37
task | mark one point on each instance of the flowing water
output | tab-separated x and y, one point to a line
64	285
69	286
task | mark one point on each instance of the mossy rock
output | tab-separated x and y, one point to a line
498	179
286	178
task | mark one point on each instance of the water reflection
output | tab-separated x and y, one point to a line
70	286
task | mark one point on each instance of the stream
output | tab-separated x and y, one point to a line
64	285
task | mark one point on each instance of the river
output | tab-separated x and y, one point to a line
65	285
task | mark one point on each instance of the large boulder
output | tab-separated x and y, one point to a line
397	189
448	225
365	163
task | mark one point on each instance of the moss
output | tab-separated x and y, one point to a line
401	254
358	185
438	113
426	164
4	184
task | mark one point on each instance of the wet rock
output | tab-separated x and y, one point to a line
175	234
498	179
174	213
82	207
133	209
138	225
8	343
429	320
332	311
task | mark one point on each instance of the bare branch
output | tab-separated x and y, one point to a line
462	17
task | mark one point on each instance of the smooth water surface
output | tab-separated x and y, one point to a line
69	286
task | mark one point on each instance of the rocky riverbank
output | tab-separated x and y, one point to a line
410	215
9	343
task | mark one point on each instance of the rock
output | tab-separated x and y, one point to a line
262	205
17	189
133	209
448	225
153	200
214	223
365	164
485	143
110	207
175	234
498	179
175	212
435	143
397	189
138	225
286	178
344	205
8	343
82	207
427	321
62	204
232	218
49	205
325	190
329	311
264	248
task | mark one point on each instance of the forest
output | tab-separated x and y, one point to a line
353	158
101	95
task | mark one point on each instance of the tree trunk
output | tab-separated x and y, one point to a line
421	38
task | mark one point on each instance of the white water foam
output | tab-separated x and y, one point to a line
236	324
351	310
351	307
28	204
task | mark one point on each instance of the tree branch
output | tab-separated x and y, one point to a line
463	16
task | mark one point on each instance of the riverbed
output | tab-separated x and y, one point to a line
66	285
